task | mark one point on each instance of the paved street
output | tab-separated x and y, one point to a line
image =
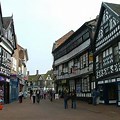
47	110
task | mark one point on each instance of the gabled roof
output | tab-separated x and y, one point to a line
114	9
33	77
85	26
36	77
7	21
90	23
62	40
1	16
50	72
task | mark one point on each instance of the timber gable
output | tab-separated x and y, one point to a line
108	27
107	41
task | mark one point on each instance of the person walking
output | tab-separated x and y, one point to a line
73	99
33	96
37	95
98	96
66	97
94	96
51	95
20	96
31	93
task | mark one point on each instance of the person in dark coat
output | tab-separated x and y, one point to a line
73	99
95	94
37	95
31	92
51	95
66	97
34	96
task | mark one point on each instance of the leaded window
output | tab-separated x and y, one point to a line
100	57
85	84
105	16
100	34
84	61
116	54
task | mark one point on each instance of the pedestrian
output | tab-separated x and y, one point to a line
37	95
98	96
20	96
73	99
66	97
51	95
59	92
31	93
44	94
41	94
33	96
94	96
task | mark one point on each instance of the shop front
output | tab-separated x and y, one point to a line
109	91
2	82
4	89
13	88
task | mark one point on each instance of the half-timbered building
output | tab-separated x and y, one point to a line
7	47
107	53
73	62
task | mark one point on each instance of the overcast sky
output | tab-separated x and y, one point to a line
39	23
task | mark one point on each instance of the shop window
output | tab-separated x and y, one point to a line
85	85
100	61
112	94
116	54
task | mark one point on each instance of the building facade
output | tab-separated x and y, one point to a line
7	47
107	53
44	82
73	62
22	68
18	72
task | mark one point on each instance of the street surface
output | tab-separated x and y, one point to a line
47	110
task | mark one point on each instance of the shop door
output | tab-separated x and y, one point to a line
6	94
105	94
110	92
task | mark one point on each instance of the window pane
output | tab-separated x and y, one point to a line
110	50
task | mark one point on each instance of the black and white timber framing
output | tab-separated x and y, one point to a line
107	53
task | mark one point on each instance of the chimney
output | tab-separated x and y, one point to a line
28	73
37	72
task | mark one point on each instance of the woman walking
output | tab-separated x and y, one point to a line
66	97
34	95
20	96
73	99
38	95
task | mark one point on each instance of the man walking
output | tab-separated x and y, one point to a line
73	99
38	95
